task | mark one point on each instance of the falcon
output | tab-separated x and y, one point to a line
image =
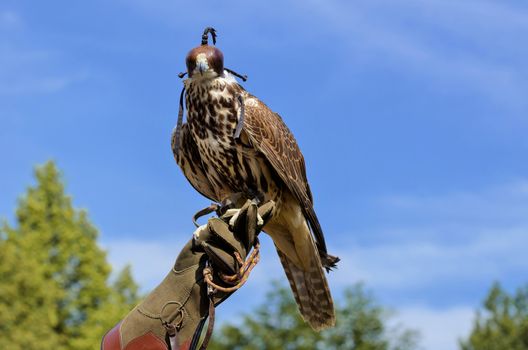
232	143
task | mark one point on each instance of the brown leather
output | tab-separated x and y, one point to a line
148	341
112	339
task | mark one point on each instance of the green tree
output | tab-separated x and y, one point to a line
276	324
54	278
503	322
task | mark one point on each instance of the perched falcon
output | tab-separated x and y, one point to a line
233	143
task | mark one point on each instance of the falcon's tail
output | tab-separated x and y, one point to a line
311	292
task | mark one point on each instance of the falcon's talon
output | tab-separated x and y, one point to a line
260	221
235	213
234	218
231	212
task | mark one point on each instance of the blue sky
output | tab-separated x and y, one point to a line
412	116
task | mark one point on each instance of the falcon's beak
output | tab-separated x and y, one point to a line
202	66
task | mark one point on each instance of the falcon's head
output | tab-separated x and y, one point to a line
205	62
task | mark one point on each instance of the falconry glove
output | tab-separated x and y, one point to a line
210	267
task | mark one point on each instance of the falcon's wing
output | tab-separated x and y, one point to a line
191	164
269	135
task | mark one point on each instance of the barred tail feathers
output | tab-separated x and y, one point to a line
311	292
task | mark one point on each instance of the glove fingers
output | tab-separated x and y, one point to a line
221	259
220	232
220	240
248	233
244	227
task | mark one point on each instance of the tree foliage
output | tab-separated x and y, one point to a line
502	324
54	278
276	324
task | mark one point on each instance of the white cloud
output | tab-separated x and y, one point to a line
151	259
450	42
498	206
451	239
404	266
439	329
461	236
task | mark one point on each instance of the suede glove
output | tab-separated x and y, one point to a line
173	314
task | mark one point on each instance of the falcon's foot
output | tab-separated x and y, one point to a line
234	214
239	201
235	200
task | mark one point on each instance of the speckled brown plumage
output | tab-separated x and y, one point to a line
266	163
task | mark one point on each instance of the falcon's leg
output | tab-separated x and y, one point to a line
233	201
